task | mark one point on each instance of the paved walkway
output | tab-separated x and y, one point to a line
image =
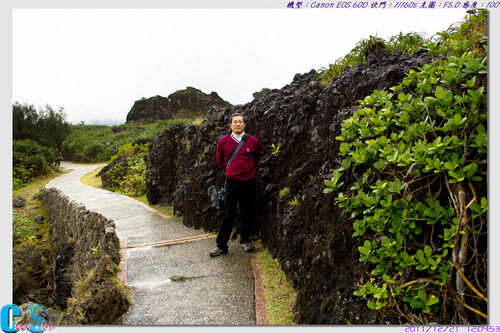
170	284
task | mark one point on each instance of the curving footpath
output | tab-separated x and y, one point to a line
172	279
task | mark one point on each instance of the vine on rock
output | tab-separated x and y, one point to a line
416	157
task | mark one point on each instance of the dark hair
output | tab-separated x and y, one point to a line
237	114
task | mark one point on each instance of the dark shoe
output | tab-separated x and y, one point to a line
247	247
217	252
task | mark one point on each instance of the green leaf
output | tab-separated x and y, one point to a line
432	300
416	304
470	170
377	271
444	96
380	164
329	183
474	66
422	295
440	92
358	293
418	229
395	186
363	250
374	259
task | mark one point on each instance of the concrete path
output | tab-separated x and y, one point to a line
170	284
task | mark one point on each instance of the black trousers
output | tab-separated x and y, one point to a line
242	192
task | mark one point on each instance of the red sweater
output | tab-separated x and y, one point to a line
243	165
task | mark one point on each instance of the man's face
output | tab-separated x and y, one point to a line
237	125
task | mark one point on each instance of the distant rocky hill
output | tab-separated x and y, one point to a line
186	103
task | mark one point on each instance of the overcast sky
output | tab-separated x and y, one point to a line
96	62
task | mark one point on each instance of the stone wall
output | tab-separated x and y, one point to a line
87	256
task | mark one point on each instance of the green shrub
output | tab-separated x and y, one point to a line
17	184
129	176
29	160
124	149
418	197
134	183
23	229
88	143
408	43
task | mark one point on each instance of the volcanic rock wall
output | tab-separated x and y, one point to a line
311	239
87	253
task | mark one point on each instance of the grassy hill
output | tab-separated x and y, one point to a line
98	143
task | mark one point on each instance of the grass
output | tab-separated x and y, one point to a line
91	178
279	295
165	210
96	143
30	189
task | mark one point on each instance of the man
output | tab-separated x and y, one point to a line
240	183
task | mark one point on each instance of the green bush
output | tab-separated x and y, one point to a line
17	184
37	137
88	143
416	157
30	160
22	229
134	183
129	175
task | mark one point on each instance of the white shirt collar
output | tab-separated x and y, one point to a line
237	137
